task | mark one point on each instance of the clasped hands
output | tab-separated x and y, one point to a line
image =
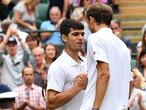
81	80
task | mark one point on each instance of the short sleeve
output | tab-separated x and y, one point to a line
46	25
56	78
19	7
99	49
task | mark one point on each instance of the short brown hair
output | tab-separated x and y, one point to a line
100	12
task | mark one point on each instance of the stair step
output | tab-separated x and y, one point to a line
133	23
131	16
133	9
132	3
135	38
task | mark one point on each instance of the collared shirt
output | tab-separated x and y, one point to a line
33	94
106	47
61	76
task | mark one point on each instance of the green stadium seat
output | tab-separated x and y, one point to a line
41	13
44	1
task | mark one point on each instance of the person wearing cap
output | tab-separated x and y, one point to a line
29	95
12	63
7	97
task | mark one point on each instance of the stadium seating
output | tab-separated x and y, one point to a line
41	14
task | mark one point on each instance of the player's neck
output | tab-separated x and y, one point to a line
73	54
100	26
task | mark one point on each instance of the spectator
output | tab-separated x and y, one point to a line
77	13
141	45
32	42
29	95
39	58
52	25
51	54
117	30
24	14
7	98
142	62
12	63
63	6
6	24
67	77
138	96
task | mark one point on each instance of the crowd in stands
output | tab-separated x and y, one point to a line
27	51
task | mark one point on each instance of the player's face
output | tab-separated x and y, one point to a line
74	40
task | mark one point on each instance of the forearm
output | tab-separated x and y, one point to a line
22	23
26	57
65	8
131	87
3	44
21	107
60	99
141	107
101	87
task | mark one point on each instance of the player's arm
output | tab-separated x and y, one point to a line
101	83
58	99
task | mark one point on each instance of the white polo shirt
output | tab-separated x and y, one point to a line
105	46
61	75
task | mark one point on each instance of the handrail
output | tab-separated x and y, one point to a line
40	30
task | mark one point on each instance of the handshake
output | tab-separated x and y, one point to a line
81	80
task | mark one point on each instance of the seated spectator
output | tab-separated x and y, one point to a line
29	95
78	12
117	30
32	42
138	96
141	45
40	76
12	64
52	25
24	14
7	98
142	63
51	54
63	6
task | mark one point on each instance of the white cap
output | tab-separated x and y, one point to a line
5	95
